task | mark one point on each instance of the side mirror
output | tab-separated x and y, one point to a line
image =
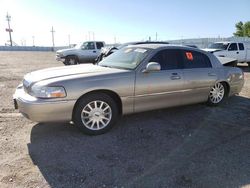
152	67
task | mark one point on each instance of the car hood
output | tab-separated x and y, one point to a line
66	50
211	50
65	71
226	60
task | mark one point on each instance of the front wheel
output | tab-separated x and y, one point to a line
95	114
71	60
217	94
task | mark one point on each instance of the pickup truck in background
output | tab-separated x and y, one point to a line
85	52
236	50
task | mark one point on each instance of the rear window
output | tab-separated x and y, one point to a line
193	59
99	45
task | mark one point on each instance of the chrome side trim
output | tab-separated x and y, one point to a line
164	93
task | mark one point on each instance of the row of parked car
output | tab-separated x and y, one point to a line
94	51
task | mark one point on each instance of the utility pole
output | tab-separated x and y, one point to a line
33	38
53	42
89	35
8	17
156	35
69	39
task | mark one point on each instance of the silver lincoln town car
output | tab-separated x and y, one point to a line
134	79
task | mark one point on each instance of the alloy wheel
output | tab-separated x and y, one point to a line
217	93
96	115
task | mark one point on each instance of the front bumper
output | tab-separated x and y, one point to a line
42	110
58	58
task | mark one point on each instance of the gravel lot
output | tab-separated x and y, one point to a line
190	146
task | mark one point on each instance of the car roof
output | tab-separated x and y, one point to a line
146	42
155	46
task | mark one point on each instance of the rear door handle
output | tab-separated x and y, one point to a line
94	51
237	52
175	77
211	74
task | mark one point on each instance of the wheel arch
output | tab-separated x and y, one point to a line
72	55
227	85
110	93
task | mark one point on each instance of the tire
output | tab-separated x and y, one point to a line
95	114
217	94
71	60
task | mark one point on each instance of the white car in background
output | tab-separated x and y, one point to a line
238	51
85	52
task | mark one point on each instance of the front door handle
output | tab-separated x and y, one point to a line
94	51
237	52
211	74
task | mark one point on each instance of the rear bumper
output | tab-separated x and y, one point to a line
236	88
42	110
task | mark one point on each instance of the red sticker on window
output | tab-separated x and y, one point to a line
189	56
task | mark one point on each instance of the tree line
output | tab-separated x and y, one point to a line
242	29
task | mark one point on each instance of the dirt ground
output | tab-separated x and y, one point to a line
190	146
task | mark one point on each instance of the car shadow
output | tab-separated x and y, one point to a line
190	146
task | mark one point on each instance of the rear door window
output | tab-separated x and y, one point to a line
99	45
193	59
241	46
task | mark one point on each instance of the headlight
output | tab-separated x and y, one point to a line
59	54
47	92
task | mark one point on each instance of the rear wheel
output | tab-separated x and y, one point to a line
217	94
71	60
95	114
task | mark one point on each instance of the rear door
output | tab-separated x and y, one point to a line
242	53
162	88
199	76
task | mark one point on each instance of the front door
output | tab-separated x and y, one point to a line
233	51
161	88
88	52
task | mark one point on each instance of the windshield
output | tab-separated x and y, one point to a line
125	58
124	45
221	46
86	46
78	46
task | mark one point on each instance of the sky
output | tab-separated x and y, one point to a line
112	21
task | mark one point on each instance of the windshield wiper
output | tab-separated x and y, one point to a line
114	67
